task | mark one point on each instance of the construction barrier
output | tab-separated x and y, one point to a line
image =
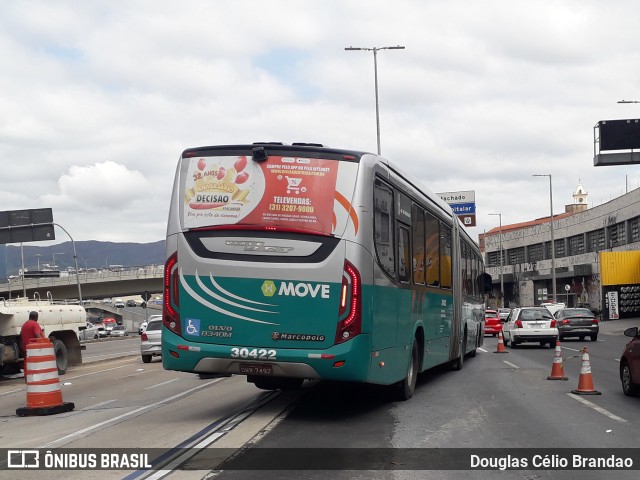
585	382
557	370
501	348
44	396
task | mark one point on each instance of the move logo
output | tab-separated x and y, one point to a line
292	289
268	288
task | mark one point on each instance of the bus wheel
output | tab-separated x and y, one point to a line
473	352
459	362
266	383
407	386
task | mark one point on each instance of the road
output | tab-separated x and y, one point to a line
499	401
109	348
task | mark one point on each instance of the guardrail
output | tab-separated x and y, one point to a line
85	276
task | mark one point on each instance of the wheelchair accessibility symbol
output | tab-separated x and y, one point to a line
192	327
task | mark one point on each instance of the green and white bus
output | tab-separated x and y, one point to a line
293	262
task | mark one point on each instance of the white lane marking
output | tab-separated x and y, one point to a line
482	350
127	376
11	391
161	384
98	405
511	364
597	408
72	436
572	349
98	371
67	379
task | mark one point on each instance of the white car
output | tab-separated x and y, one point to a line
118	303
143	325
530	324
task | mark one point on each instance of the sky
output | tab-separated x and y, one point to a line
98	99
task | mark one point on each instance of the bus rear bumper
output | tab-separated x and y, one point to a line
346	361
244	367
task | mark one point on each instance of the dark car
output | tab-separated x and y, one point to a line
630	364
577	322
131	303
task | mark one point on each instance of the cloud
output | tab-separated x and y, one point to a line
99	187
99	99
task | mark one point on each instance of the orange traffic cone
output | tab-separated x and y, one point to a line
501	348
557	371
44	396
585	382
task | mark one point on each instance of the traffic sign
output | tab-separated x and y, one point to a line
18	226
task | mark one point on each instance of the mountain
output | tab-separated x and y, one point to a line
91	254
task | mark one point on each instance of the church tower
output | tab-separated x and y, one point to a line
580	200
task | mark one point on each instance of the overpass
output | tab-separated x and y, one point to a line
94	284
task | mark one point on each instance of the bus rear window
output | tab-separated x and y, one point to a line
302	193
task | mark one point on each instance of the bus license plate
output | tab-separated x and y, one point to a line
248	369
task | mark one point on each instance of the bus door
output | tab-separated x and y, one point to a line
385	295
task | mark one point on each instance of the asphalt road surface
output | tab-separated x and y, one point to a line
501	402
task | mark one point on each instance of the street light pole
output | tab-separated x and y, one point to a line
375	73
55	265
553	246
24	287
501	261
75	258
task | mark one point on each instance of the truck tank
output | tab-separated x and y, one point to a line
60	322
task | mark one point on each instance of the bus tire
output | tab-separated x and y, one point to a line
458	363
473	352
407	386
62	356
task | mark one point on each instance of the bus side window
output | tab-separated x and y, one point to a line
445	255
474	271
404	264
417	228
463	267
470	270
382	222
432	250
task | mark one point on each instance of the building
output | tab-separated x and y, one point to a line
597	257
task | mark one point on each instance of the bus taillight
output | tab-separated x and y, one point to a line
350	308
171	317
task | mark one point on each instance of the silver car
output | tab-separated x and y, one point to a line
151	340
119	331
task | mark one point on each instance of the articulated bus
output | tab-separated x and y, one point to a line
294	262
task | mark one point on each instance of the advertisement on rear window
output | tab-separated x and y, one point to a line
287	191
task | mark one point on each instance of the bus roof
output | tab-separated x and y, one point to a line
272	148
